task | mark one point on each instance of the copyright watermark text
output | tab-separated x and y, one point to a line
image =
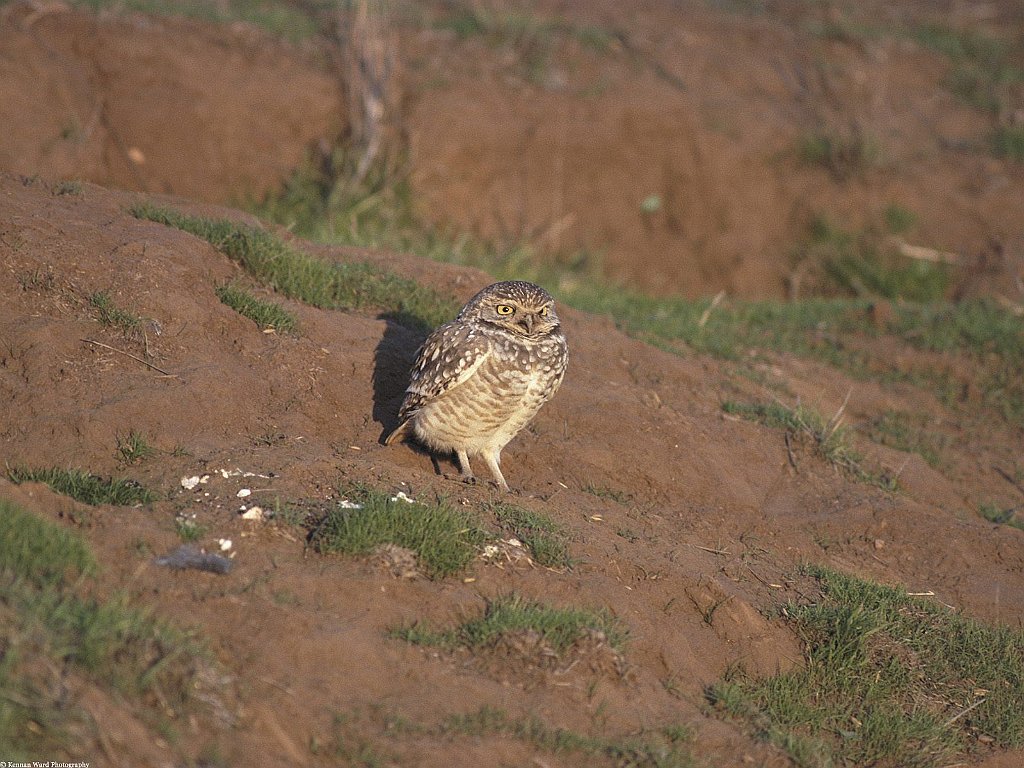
41	764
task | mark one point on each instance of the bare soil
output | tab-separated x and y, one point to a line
684	523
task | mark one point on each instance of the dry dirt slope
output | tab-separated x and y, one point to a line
701	509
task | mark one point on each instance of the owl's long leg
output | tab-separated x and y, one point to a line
493	459
464	469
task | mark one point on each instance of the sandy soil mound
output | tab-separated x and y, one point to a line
683	524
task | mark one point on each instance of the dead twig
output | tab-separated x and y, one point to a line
963	712
128	354
709	549
1008	478
922	253
707	312
789	452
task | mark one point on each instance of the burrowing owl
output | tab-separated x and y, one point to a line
479	379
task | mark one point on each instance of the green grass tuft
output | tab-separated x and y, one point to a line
1008	142
1000	516
49	628
844	155
862	265
898	219
133	447
39	551
444	538
906	432
983	72
887	680
113	316
266	314
541	535
559	627
293	23
318	282
829	439
85	487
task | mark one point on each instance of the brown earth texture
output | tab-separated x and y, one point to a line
686	523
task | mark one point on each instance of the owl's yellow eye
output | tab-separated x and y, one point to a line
504	309
544	311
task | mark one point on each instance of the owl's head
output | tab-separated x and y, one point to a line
520	307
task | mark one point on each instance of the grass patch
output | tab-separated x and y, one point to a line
559	627
859	264
266	314
906	432
1008	142
604	492
50	629
113	316
828	438
318	282
898	219
888	680
293	23
542	536
188	530
661	748
68	188
85	487
843	154
444	538
996	514
39	551
983	74
133	447
532	38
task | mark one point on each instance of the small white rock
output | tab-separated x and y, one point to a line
243	492
188	483
225	544
346	504
514	542
253	513
401	496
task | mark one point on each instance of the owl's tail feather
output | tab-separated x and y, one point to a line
399	433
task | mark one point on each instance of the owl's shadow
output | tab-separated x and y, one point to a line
392	360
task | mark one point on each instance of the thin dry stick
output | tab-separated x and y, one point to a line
836	421
712	551
962	712
707	312
127	354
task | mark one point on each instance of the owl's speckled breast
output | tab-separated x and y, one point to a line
506	392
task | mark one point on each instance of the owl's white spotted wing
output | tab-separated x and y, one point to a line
449	356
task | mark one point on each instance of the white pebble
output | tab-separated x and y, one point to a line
225	544
243	492
188	483
253	513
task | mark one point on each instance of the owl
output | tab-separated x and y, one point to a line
481	378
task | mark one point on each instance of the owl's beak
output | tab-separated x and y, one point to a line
527	321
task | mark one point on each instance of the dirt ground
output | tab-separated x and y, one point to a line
671	506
